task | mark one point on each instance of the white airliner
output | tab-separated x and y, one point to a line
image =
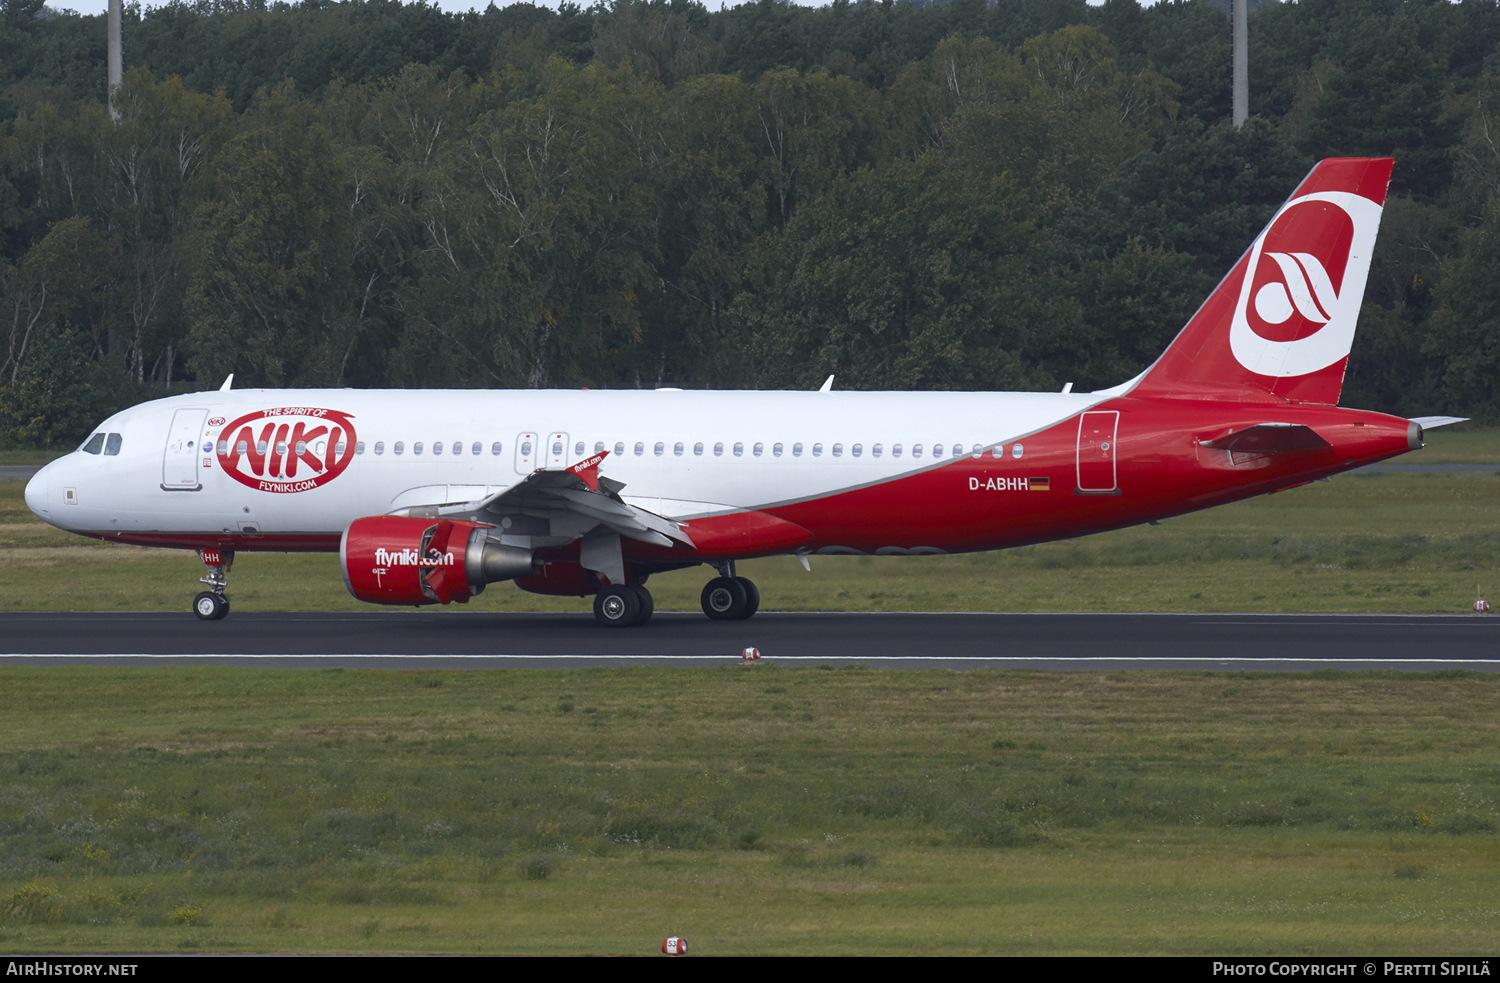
430	495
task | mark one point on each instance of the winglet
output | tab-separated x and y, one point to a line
827	386
227	383
588	469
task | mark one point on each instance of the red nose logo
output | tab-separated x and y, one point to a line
287	449
1296	285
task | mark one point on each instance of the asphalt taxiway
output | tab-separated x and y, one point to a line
475	640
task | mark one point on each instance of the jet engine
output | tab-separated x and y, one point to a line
389	559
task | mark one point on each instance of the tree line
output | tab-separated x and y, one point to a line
969	195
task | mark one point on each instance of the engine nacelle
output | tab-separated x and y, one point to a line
391	559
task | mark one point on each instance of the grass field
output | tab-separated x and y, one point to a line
752	809
761	809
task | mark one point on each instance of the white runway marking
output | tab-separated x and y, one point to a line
1330	663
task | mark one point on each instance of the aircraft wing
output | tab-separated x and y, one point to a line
1268	438
582	499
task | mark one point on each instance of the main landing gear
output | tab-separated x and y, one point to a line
623	605
725	598
729	598
211	605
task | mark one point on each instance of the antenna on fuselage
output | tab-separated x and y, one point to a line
229	382
827	386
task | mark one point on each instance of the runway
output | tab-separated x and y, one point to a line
464	640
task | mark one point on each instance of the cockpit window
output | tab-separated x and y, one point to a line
112	445
94	445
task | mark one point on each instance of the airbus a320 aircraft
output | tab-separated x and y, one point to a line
430	495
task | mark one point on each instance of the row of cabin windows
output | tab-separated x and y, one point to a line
658	449
778	449
399	447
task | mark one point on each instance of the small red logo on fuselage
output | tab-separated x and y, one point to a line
287	449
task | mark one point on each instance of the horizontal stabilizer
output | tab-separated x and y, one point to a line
1429	422
1268	438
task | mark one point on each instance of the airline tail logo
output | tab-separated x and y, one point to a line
1299	301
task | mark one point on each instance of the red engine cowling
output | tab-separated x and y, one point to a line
390	559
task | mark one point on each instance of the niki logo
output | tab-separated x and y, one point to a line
288	448
1303	284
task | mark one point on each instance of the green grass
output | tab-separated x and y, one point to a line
752	809
1375	542
1460	443
29	456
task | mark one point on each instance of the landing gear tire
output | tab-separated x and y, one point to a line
648	606
209	606
752	596
617	605
725	599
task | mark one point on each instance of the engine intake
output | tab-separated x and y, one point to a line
389	559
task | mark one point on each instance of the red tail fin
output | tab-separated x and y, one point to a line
1280	325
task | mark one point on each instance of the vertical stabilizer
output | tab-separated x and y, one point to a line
1281	324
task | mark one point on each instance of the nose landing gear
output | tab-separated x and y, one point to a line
211	605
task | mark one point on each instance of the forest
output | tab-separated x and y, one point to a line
1012	194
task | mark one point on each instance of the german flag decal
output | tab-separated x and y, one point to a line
1037	484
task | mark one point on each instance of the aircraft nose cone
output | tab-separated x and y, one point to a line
36	493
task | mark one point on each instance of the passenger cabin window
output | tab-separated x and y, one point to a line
379	447
739	450
437	447
817	450
677	449
776	450
875	450
719	450
640	448
417	447
838	450
698	449
495	448
997	451
94	445
937	450
895	450
598	447
477	448
916	450
1016	450
619	448
399	447
525	448
659	448
458	447
857	450
759	449
578	448
796	450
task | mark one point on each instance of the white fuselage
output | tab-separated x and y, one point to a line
681	454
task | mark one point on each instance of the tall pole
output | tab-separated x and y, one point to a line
116	56
1241	63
